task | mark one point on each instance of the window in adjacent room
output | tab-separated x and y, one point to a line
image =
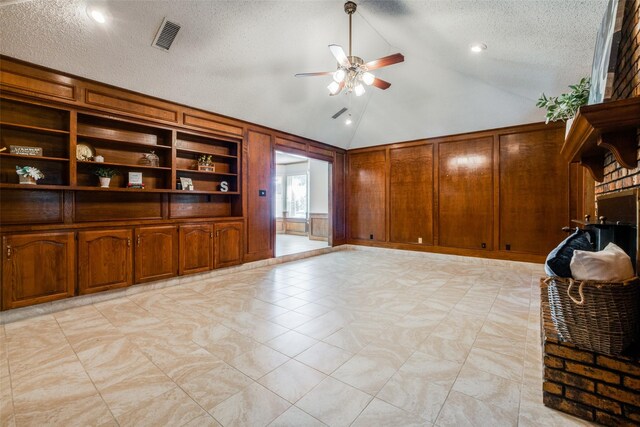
296	196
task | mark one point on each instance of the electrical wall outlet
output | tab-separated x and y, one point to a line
419	239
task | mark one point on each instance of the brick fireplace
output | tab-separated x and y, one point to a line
589	385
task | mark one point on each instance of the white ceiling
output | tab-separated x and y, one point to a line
238	58
286	158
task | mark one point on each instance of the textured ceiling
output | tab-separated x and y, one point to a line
286	158
238	58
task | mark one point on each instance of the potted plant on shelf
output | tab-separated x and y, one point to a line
28	174
565	106
205	163
105	175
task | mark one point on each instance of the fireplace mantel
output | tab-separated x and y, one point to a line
597	129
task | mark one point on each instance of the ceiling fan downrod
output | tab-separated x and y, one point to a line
350	8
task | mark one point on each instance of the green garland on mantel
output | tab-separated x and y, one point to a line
565	106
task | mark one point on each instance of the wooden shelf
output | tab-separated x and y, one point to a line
224	138
22	156
124	165
224	156
130	143
8	186
33	128
207	173
601	128
112	189
221	193
122	189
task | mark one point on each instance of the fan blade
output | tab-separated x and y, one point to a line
385	61
340	56
380	84
321	73
339	89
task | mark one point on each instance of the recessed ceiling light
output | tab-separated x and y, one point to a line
478	47
348	121
97	15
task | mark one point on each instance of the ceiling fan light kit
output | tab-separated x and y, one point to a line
353	73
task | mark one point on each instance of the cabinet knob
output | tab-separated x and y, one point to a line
129	243
587	217
602	219
8	251
211	234
139	240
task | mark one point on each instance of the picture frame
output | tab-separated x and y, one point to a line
187	183
605	56
135	178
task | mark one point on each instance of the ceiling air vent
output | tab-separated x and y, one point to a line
166	35
339	113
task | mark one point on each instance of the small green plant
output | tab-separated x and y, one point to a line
29	171
205	160
565	106
106	172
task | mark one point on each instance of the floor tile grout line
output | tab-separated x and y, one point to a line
85	368
176	384
13	407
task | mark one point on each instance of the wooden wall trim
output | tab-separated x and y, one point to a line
209	124
318	226
509	256
128	105
528	127
18	229
49	86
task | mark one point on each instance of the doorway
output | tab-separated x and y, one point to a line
301	204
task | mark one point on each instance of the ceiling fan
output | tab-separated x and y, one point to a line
352	71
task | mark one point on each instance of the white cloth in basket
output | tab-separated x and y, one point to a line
611	264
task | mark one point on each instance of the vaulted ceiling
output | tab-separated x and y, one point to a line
238	58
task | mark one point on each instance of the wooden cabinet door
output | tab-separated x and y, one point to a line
37	268
156	253
105	260
228	247
534	196
367	196
196	248
465	208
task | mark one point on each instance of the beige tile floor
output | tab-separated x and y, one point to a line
362	338
287	244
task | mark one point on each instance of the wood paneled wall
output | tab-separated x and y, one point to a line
259	161
465	196
367	196
501	193
534	191
337	200
411	194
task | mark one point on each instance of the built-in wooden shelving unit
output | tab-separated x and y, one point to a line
601	128
124	145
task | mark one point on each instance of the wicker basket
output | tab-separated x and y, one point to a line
593	315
